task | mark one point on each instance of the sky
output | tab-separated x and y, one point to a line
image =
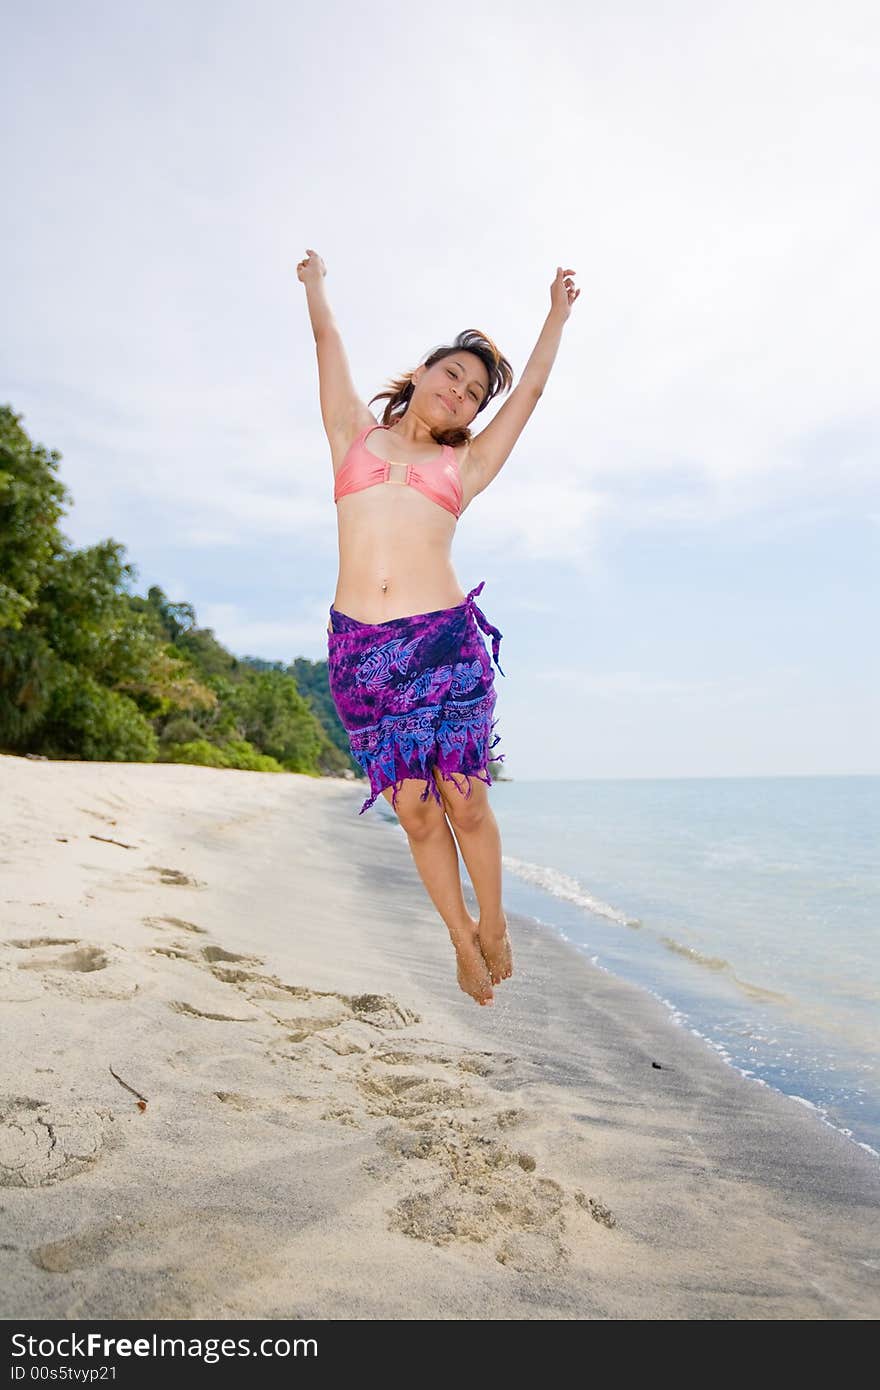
682	549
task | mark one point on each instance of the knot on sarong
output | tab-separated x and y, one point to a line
483	622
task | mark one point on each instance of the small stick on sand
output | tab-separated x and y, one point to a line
141	1098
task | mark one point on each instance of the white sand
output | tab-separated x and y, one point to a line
329	1127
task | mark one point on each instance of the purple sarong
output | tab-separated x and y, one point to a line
416	693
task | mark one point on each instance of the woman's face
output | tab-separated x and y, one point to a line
452	391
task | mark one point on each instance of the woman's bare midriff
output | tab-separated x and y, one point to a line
395	553
393	559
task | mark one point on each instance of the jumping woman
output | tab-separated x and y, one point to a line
410	674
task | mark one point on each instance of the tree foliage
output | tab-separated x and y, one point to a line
90	670
32	497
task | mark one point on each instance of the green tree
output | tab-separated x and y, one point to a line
272	715
90	670
313	682
86	720
32	498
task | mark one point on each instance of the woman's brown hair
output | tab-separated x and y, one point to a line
400	389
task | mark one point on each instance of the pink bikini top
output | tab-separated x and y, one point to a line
438	479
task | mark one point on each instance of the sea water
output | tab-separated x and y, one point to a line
750	906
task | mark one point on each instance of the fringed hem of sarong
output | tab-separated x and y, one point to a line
455	763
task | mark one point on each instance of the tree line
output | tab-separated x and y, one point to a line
90	670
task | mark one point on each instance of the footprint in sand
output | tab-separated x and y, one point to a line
172	952
44	941
478	1189
238	1101
84	958
42	1142
284	1108
468	1184
176	876
63	965
182	951
169	1261
180	1006
174	922
86	1248
214	953
340	1022
413	1095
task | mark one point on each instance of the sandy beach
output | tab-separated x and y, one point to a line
238	1080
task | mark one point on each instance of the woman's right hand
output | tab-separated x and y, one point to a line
311	270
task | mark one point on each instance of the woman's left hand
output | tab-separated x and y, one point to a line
563	293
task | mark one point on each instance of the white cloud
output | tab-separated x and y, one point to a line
245	635
540	518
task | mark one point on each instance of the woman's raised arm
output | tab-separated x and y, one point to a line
341	407
490	449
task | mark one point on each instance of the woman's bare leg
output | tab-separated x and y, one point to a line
436	857
479	840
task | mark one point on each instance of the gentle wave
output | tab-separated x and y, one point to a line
564	886
719	964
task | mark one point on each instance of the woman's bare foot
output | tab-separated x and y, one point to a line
473	975
496	949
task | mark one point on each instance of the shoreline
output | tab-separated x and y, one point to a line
680	1018
332	1129
689	1020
